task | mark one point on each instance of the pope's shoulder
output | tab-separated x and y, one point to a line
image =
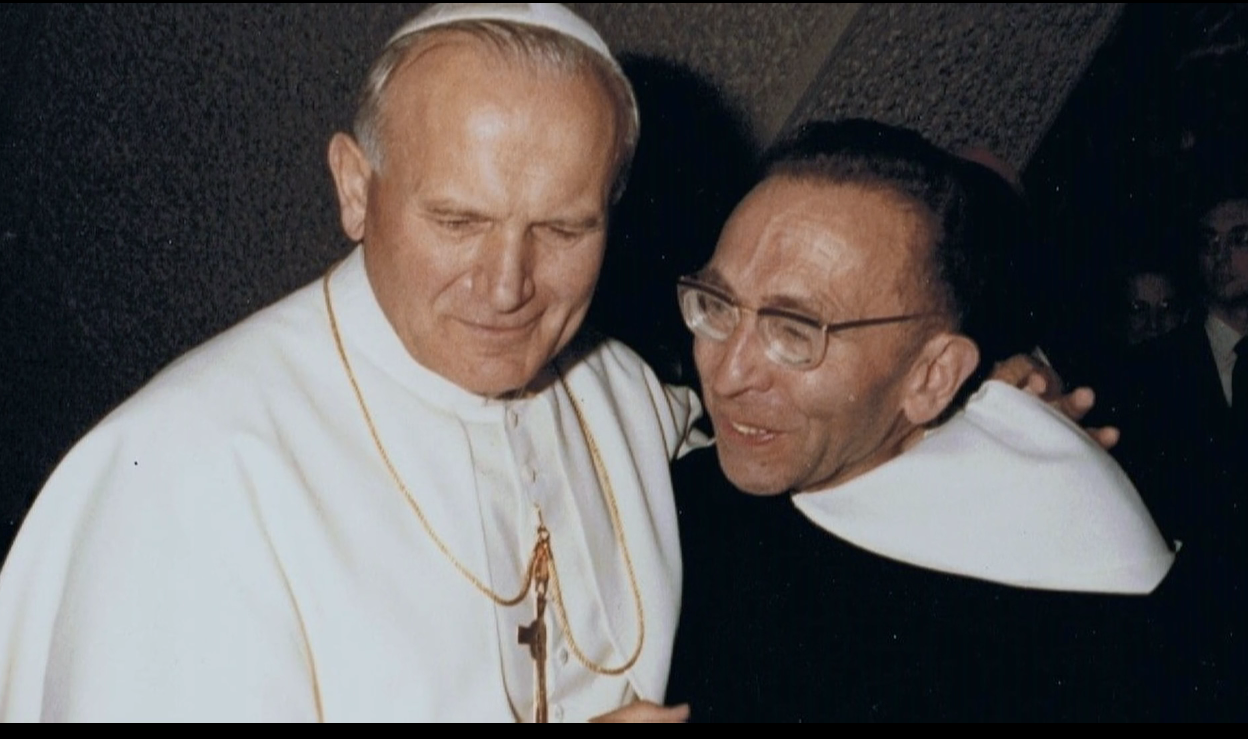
180	442
628	380
594	351
230	375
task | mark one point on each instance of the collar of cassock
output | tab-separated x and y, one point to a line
1008	491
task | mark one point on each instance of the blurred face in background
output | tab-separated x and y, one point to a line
1153	308
1224	256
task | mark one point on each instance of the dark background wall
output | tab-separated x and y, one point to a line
162	166
1156	124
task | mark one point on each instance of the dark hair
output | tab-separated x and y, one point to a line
978	223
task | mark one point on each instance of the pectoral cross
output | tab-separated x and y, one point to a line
534	635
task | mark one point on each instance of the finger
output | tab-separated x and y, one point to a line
654	714
1036	384
1107	436
1014	371
678	714
1076	404
646	712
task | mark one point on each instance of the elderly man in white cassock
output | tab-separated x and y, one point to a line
405	492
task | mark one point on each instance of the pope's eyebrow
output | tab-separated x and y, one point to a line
444	208
576	223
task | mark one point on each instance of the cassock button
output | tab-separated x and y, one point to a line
563	656
530	473
513	418
556	712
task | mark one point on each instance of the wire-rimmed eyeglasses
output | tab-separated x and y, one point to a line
790	339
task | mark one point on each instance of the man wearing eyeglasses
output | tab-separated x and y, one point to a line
886	565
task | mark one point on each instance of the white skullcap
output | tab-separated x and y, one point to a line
543	15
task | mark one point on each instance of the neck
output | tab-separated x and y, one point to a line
903	438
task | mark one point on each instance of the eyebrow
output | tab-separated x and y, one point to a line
576	223
442	207
711	276
451	208
788	304
795	306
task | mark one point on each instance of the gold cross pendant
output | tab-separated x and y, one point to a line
534	635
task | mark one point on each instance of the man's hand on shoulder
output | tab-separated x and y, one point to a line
1038	378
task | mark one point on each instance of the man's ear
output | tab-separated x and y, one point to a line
352	174
943	364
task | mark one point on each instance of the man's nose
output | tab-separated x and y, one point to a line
509	264
742	361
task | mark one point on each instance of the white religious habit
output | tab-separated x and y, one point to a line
229	544
1009	491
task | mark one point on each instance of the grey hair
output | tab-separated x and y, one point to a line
540	48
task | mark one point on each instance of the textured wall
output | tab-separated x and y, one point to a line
992	74
162	166
963	73
762	56
162	175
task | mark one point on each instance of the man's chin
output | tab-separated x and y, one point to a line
749	479
491	377
505	369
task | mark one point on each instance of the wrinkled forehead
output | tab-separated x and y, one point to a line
832	242
544	58
450	73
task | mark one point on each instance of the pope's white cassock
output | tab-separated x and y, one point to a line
229	545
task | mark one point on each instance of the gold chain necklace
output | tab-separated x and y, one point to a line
540	571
